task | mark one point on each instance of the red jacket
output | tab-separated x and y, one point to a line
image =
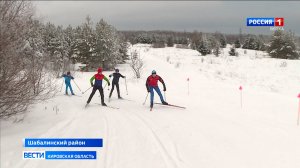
152	81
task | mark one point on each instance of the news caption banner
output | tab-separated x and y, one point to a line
64	143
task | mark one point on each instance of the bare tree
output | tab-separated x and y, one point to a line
136	63
23	79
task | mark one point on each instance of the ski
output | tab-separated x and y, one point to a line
125	99
119	99
76	95
172	105
70	95
112	107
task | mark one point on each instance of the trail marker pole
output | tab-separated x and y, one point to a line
188	83
298	109
241	97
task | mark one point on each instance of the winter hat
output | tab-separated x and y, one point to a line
68	73
117	70
99	70
153	72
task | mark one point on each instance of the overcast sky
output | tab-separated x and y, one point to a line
211	16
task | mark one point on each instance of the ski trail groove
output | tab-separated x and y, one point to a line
175	147
171	161
105	141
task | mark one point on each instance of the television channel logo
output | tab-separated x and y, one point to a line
33	154
270	22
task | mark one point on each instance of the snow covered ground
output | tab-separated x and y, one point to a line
214	131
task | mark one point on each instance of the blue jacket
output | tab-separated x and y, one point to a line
67	78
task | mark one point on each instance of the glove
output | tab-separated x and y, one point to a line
92	85
165	89
148	90
109	84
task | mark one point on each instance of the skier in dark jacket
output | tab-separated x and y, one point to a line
115	82
68	79
151	84
98	85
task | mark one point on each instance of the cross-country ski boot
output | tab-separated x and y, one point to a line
165	103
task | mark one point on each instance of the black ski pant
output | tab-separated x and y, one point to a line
112	89
95	88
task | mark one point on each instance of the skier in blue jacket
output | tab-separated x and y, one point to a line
68	78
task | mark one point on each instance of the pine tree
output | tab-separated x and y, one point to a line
217	49
195	40
170	42
251	43
123	48
107	46
283	46
85	41
79	45
223	42
232	52
212	44
237	44
221	38
55	45
69	35
203	47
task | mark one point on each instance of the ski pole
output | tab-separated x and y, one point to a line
126	86
106	84
61	86
77	85
104	87
146	98
87	90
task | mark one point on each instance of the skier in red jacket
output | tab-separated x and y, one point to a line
151	84
98	86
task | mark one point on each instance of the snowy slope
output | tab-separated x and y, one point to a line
214	131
